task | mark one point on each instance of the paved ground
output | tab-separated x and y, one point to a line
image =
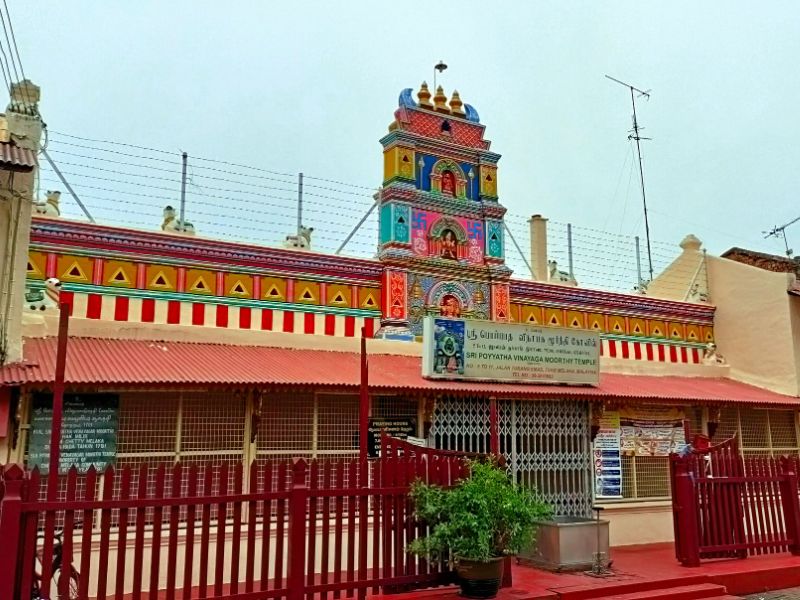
791	594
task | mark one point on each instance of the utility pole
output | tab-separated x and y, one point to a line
299	203
635	136
183	193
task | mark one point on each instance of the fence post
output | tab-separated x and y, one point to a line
494	434
10	528
684	503
298	499
791	504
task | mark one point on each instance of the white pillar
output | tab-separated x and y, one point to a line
538	226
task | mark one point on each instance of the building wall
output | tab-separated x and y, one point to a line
756	324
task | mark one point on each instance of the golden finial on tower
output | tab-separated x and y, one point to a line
424	96
456	105
440	101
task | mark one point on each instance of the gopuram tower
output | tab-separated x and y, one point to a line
441	225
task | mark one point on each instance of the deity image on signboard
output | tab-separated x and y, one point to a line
450	306
449	346
449	245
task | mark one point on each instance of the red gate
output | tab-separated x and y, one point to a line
278	529
728	506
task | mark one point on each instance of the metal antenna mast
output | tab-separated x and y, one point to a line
781	232
635	136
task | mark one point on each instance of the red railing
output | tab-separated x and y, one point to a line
725	505
277	529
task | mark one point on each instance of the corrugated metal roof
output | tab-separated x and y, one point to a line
110	362
11	154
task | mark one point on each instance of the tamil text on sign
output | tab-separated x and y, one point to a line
483	350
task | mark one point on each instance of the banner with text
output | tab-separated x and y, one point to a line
483	350
651	431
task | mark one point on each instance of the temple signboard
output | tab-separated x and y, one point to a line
491	351
88	435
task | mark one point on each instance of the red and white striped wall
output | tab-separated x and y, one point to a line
653	352
176	312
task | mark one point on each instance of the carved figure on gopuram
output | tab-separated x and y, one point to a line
448	183
449	245
450	306
441	224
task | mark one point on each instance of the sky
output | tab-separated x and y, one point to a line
312	86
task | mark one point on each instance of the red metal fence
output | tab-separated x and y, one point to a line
277	529
725	505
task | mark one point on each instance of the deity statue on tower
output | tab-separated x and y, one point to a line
449	245
448	183
450	307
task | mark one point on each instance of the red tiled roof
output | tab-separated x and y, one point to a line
109	362
21	158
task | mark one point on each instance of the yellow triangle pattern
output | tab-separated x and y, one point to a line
160	281
274	293
306	293
339	299
576	323
34	270
238	289
119	276
74	271
369	301
553	320
200	285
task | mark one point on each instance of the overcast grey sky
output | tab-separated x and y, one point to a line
310	86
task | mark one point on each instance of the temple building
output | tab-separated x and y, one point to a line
200	350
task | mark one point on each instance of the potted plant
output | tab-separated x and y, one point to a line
475	524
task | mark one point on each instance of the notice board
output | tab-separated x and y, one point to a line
88	431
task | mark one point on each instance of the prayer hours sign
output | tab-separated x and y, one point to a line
487	351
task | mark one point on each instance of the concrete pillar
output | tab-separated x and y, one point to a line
23	129
538	225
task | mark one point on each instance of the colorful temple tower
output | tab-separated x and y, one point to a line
441	225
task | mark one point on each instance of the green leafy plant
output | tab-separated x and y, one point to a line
483	517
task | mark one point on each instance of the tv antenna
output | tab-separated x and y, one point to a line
635	135
781	232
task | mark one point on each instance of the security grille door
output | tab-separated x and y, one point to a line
546	444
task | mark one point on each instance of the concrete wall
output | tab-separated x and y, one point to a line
639	522
757	323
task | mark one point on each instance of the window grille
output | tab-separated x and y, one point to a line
286	427
546	444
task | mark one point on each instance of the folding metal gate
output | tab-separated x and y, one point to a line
546	444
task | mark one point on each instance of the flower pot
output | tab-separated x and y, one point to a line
480	579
